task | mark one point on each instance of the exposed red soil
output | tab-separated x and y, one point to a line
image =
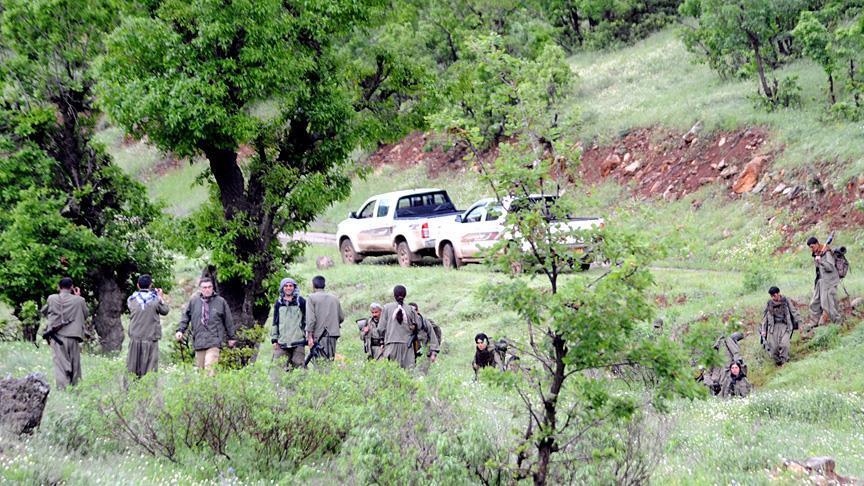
664	164
661	163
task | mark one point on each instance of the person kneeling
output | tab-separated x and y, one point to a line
735	383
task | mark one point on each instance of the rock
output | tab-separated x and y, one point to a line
626	157
760	187
788	191
749	177
609	164
817	470
729	172
693	133
721	165
727	233
722	142
856	303
22	402
794	193
323	262
658	324
820	465
630	169
779	189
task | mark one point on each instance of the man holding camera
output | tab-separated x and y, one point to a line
67	313
145	328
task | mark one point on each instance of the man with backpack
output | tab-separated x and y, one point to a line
778	321
825	287
428	335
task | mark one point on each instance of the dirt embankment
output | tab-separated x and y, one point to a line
657	163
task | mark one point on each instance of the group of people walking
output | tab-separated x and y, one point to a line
779	320
395	331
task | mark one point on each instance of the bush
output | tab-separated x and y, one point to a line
757	276
824	338
353	417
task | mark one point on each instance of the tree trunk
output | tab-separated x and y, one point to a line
855	93
831	89
547	445
755	44
106	318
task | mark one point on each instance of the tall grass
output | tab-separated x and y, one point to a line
656	82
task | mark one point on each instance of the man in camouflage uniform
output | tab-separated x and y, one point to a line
67	314
373	340
778	321
428	335
824	288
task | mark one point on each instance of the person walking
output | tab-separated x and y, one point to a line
145	327
66	313
289	325
210	319
324	318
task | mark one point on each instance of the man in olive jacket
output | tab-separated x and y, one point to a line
210	318
323	313
145	327
778	321
66	312
825	287
289	324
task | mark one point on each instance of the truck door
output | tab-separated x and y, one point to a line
379	229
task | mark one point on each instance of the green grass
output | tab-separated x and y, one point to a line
175	188
656	82
711	441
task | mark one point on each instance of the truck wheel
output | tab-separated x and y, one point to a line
349	256
406	256
448	257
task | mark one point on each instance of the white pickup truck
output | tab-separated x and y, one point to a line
465	238
395	222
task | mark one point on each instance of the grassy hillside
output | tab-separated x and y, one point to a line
801	410
719	261
656	82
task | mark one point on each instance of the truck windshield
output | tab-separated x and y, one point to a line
430	203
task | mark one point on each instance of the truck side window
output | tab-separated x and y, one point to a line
383	208
366	212
494	212
475	215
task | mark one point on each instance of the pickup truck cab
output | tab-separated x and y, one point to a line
394	222
467	237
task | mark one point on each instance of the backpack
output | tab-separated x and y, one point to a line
841	262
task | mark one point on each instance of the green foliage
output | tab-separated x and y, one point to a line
65	209
300	84
266	429
607	23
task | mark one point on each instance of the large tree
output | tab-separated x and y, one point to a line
286	81
745	36
582	329
66	210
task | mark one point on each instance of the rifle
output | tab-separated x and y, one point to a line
315	351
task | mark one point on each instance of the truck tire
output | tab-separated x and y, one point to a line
405	255
349	256
448	257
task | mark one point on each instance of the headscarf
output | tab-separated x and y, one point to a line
144	297
296	292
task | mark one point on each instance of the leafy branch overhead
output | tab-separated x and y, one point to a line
300	84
